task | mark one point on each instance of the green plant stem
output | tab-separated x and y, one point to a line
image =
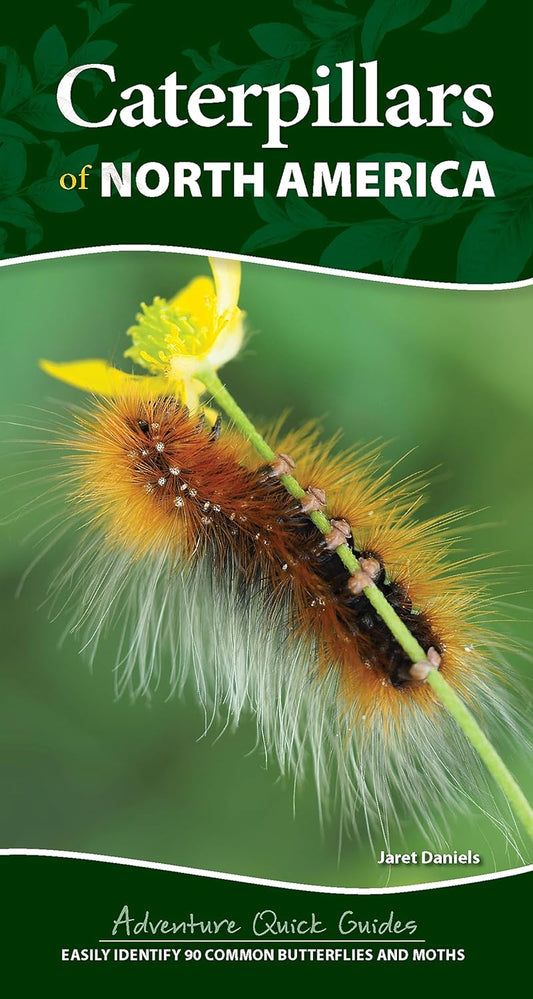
403	636
495	765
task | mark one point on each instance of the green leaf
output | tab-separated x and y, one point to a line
396	264
281	41
97	18
323	22
93	16
268	209
459	15
18	213
17	83
365	243
11	130
432	206
269	71
212	69
268	235
303	215
95	80
498	242
339	49
12	166
198	60
48	194
284	225
50	56
385	16
43	113
115	11
56	157
97	51
510	171
219	62
74	162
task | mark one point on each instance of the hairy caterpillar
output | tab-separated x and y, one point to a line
190	545
207	564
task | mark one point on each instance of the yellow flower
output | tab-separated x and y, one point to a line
202	326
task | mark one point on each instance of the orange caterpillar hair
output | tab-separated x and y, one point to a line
210	565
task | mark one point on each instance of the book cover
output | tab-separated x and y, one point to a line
266	284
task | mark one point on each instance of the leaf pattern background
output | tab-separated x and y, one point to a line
483	255
28	114
37	144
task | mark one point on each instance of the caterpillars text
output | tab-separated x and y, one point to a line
272	111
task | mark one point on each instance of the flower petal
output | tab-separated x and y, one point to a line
227	344
102	378
197	299
227	275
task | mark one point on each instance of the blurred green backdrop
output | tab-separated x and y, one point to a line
445	372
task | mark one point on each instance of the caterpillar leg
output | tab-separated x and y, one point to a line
420	671
339	534
315	500
283	465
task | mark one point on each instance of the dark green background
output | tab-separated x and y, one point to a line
445	372
74	903
151	38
